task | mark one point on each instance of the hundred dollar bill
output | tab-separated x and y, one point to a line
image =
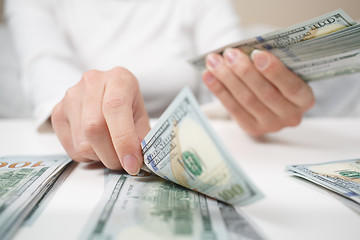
288	44
327	67
345	40
182	148
342	177
148	207
23	181
38	209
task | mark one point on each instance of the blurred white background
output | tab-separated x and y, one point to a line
257	17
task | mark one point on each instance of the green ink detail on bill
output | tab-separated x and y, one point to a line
350	174
234	191
192	163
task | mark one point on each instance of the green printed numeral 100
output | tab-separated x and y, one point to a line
234	191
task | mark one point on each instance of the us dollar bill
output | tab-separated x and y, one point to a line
23	181
342	177
309	41
327	67
183	148
148	207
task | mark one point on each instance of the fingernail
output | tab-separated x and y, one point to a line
131	164
230	56
213	60
208	78
260	59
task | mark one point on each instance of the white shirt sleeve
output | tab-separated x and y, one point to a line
47	60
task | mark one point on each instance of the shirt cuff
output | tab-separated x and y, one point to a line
42	116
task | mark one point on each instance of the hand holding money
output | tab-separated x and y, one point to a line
262	95
267	93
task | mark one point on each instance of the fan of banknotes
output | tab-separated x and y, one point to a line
183	148
23	182
341	177
320	48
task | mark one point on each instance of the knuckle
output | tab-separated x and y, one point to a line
90	75
115	103
123	78
71	94
94	127
216	88
84	151
296	89
270	94
120	71
124	139
233	108
248	99
124	74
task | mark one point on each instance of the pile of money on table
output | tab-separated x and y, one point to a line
149	207
320	48
23	182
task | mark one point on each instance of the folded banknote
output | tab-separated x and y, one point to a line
183	148
341	177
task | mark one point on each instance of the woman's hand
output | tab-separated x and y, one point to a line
262	95
103	118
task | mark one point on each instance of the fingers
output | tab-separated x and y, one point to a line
245	120
102	118
264	91
93	122
71	103
239	90
62	129
263	96
118	111
290	85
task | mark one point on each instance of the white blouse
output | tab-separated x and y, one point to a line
57	40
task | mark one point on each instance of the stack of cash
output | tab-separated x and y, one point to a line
320	48
341	177
23	182
183	148
148	207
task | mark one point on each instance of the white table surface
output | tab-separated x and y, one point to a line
291	209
